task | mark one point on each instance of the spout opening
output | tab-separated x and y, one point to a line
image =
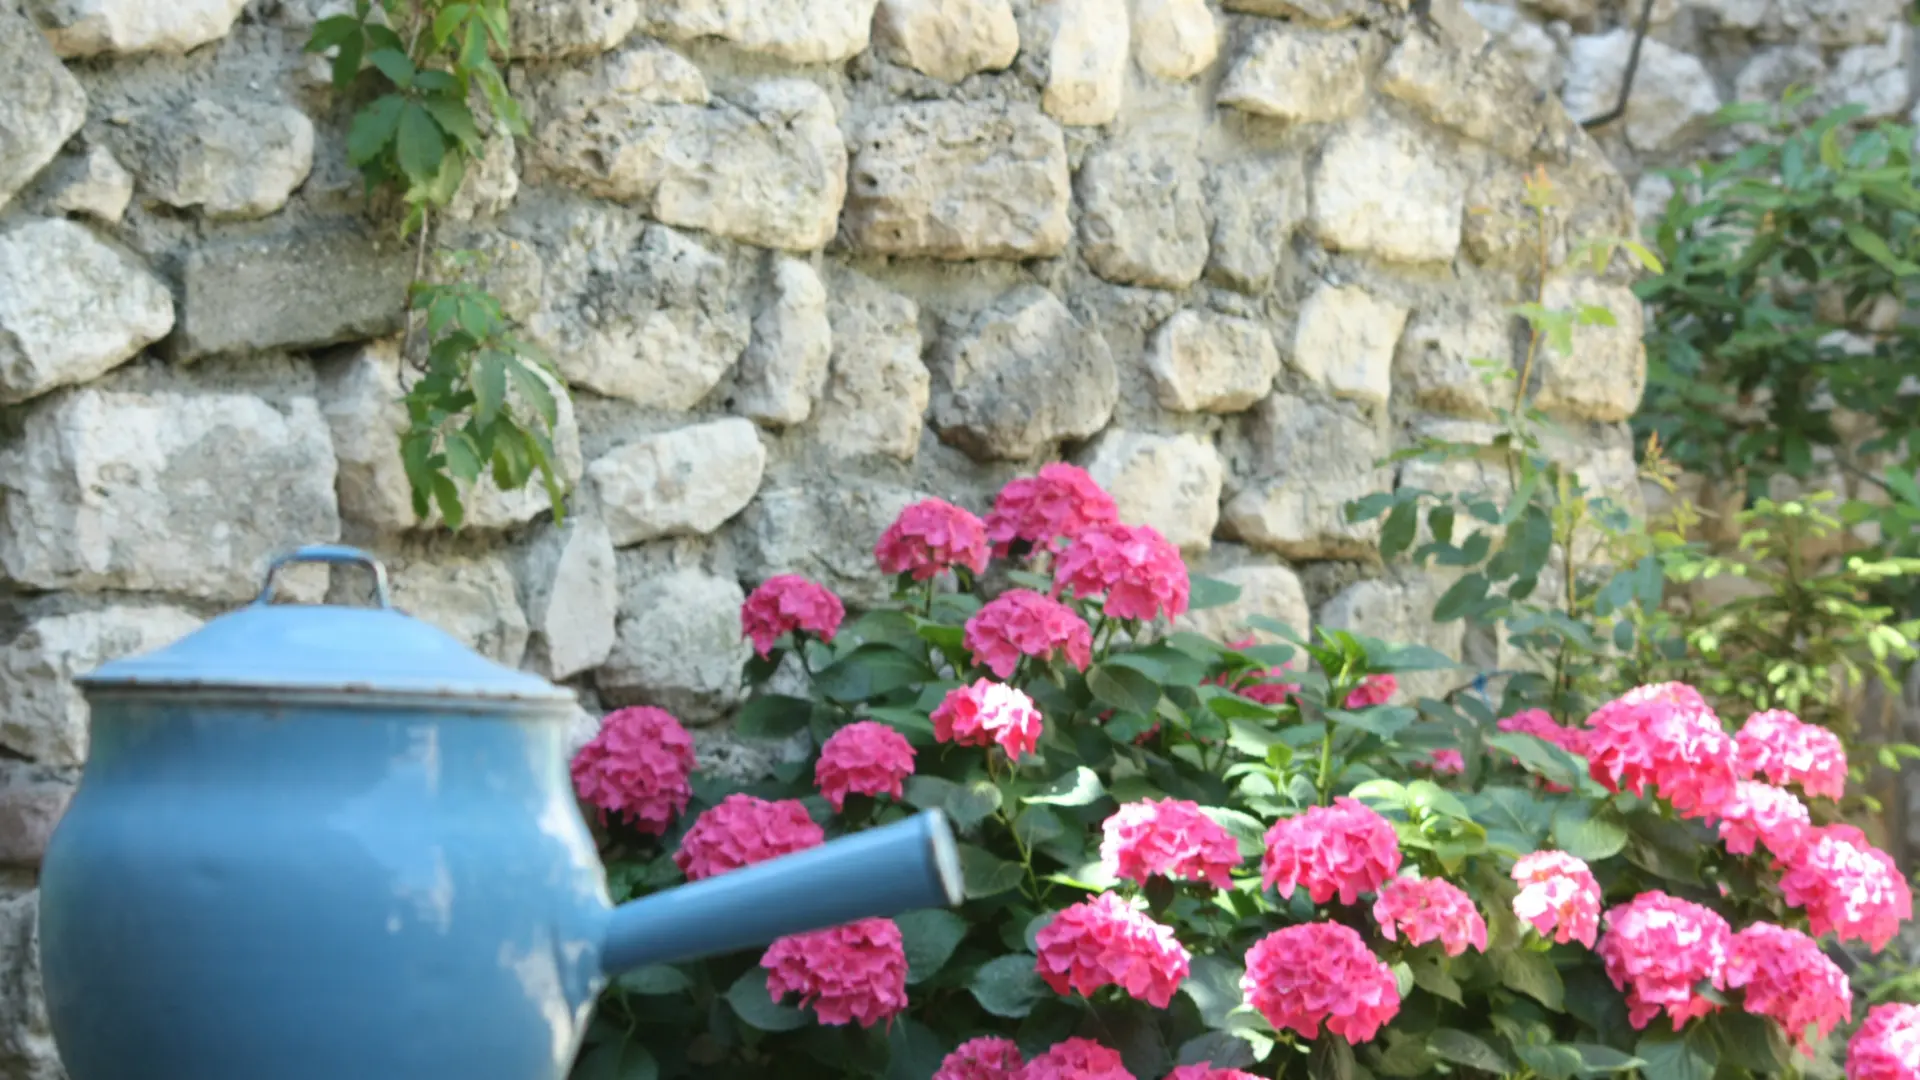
946	858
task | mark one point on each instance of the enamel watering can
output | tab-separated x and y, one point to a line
333	843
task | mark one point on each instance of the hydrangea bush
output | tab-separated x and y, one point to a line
1207	860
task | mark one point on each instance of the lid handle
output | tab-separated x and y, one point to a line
336	554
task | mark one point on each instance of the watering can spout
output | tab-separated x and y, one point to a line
897	868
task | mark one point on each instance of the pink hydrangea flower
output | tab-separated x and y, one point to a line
1107	942
1373	690
1663	735
930	537
1141	574
1345	849
1048	510
1764	814
988	713
1075	1059
1170	838
1446	762
849	974
985	1058
1301	976
1887	1046
1558	895
1786	750
1848	887
636	768
1021	622
1429	909
785	603
1540	724
1204	1071
863	758
1261	686
1789	979
743	830
1657	949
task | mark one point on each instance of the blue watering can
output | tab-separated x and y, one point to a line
333	843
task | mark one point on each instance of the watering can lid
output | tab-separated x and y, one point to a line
278	648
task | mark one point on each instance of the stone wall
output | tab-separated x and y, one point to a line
802	262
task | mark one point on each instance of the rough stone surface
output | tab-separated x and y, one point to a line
825	532
1399	609
684	482
547	29
26	1035
32	799
238	159
797	31
570	592
93	183
42	715
164	492
491	182
1257	204
1174	39
947	39
768	168
1087	63
41	105
1873	77
1300	75
604	125
1822	22
1382	188
1021	376
1171	482
292	290
877	387
1345	342
784	369
1203	362
1480	93
679	646
71	308
1528	45
948	180
1272	591
1328	13
92	27
1434	365
472	599
1603	377
1673	93
1304	461
1143	215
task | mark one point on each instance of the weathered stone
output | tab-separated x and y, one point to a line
1306	460
1272	591
604	125
1202	362
1345	341
1021	376
1171	482
877	387
1399	609
361	395
1503	231
32	800
797	31
1817	22
26	1035
769	168
1174	39
1527	45
92	27
1479	93
239	159
949	180
1087	63
93	183
1569	10
1650	197
42	715
490	184
1143	215
684	482
1382	188
1873	77
1673	93
1435	367
824	531
725	756
294	290
41	104
679	647
1300	75
1330	13
1257	204
947	39
548	29
784	369
570	592
472	599
1607	371
71	308
163	492
1770	73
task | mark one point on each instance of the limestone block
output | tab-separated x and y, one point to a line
679	646
1399	609
1300	75
951	180
548	29
491	181
1526	43
92	27
947	39
1308	460
1272	591
1829	23
1257	204
1171	482
1345	341
1143	217
1174	39
42	715
1328	13
41	104
189	494
26	1035
570	592
1480	93
1434	365
797	31
93	183
784	370
71	308
472	599
299	289
1606	373
877	387
1673	93
360	396
1769	73
1383	188
32	799
825	531
1087	63
238	159
1203	362
604	125
684	482
1021	376
1873	77
769	168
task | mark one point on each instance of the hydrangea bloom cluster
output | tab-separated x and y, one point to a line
1446	762
1208	1072
1345	849
1887	1046
930	537
1666	736
1301	976
1786	750
743	830
1559	896
985	1058
988	713
1021	622
1789	979
863	758
1540	724
1848	887
855	973
1075	1059
1170	838
1763	814
1107	942
1373	690
785	603
1429	909
1047	510
1657	949
636	768
1262	686
1141	574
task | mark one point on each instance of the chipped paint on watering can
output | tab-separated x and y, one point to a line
318	843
